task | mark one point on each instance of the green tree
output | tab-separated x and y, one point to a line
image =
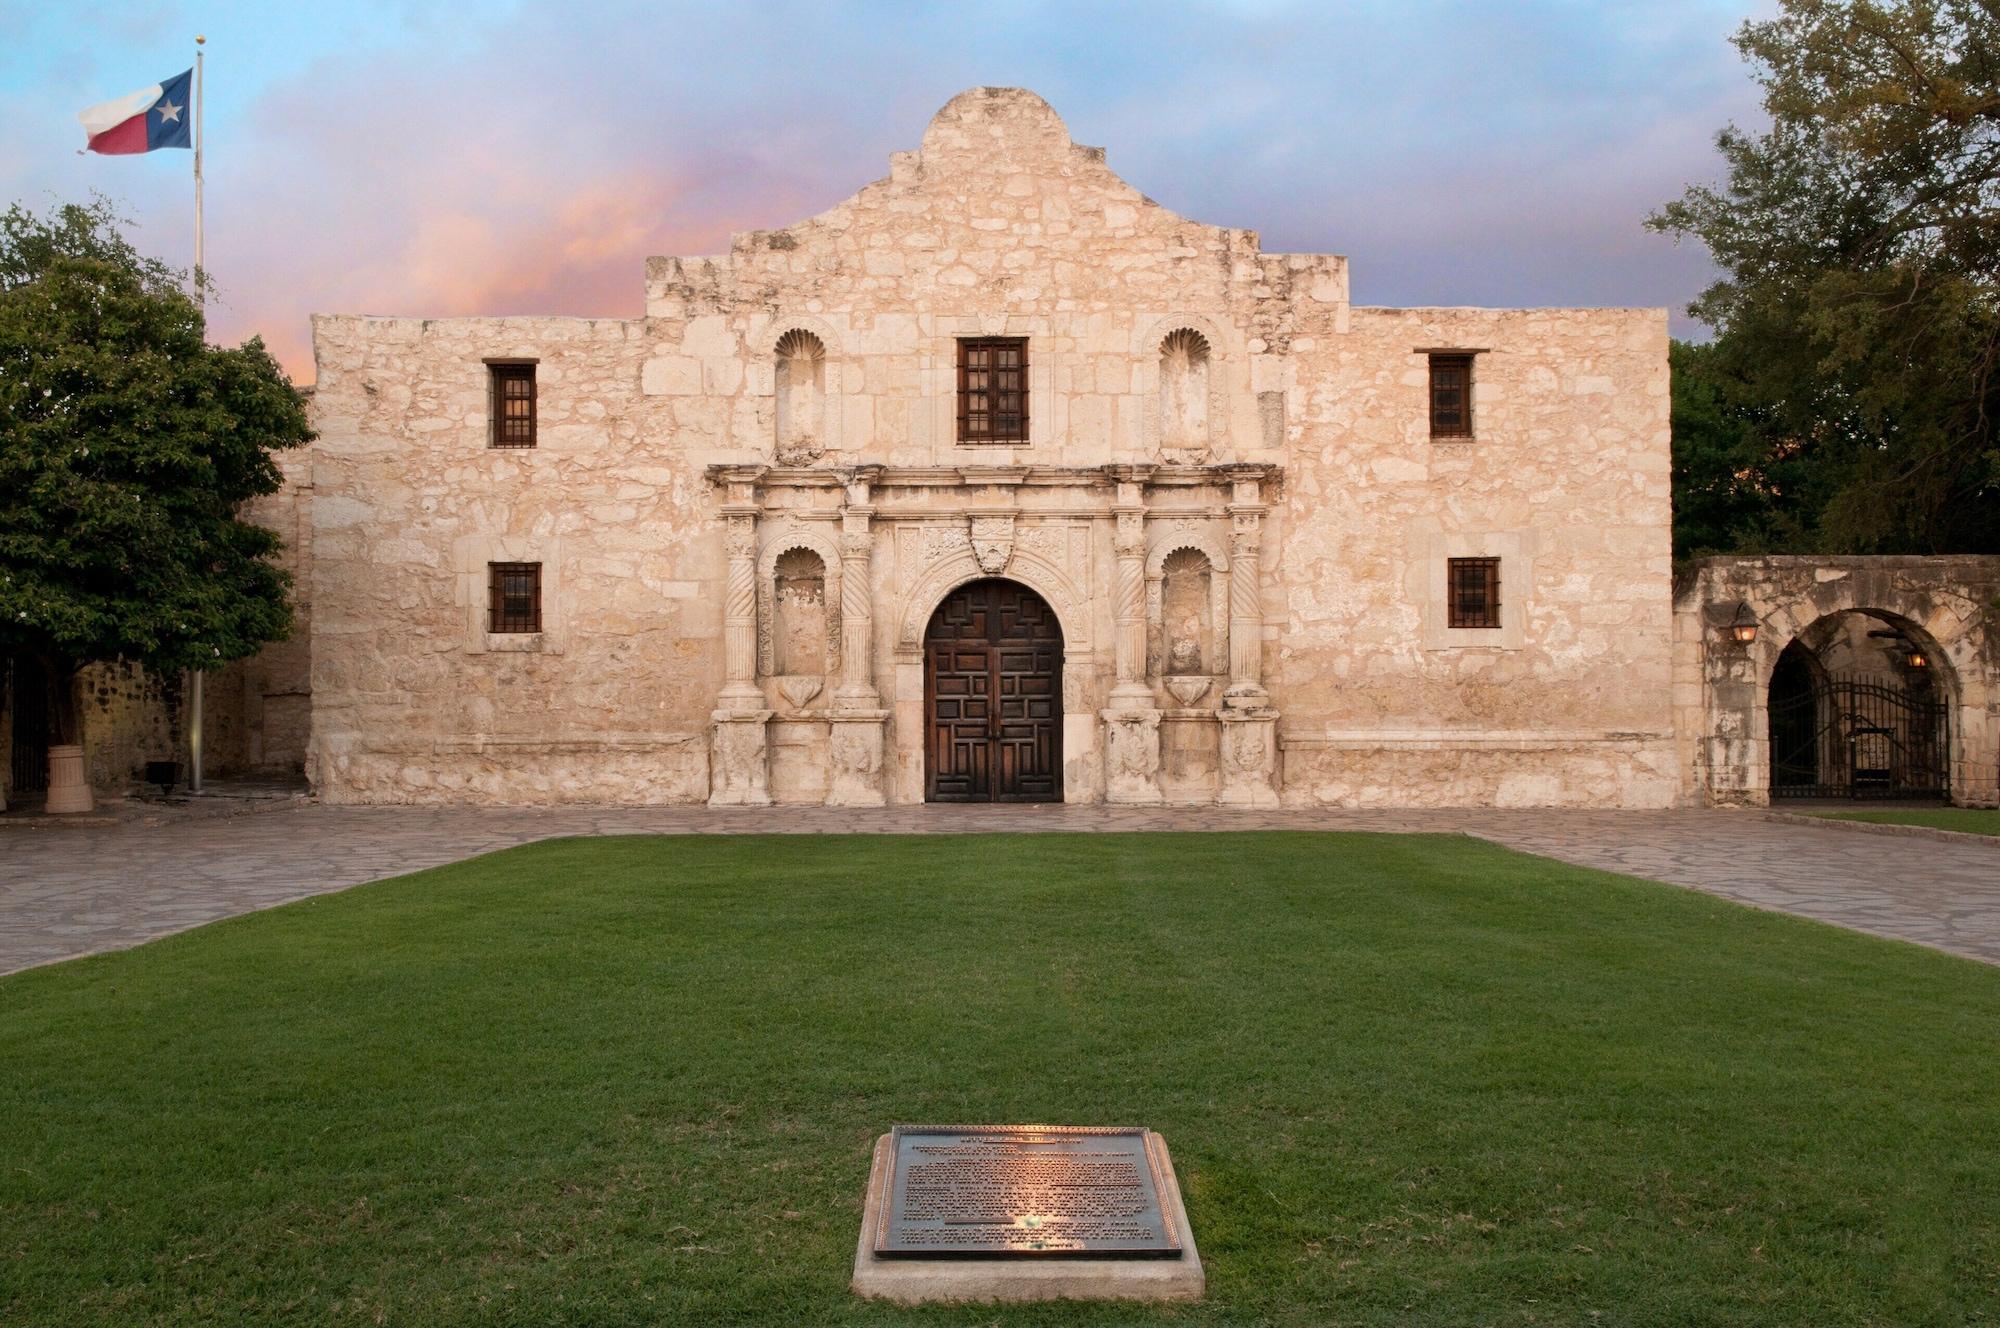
127	444
1858	325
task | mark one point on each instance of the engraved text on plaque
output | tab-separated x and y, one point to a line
1024	1190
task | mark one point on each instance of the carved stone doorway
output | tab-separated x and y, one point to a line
993	696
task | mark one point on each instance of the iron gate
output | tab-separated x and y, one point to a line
29	759
1860	738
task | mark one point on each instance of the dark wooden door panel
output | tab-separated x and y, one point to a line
993	697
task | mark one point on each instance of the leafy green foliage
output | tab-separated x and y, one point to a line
1859	323
1407	1080
127	444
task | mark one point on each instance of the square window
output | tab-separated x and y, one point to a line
515	597
1451	395
1472	589
513	405
993	390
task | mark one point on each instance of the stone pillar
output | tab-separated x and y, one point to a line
1132	721
857	719
1246	594
857	597
1249	724
739	758
1129	541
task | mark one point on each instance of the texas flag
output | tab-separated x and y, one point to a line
158	117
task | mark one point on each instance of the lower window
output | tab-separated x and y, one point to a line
515	597
1472	587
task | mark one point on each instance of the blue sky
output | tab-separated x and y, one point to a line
510	158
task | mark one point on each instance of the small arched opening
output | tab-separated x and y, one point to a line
1859	706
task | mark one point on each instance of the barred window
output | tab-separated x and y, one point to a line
513	405
1451	395
515	602
993	390
1473	587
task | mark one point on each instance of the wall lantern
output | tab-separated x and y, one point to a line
1743	627
1916	659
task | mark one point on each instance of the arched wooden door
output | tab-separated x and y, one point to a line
993	697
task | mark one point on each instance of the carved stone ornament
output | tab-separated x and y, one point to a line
738	762
1132	756
1188	689
940	542
993	542
855	750
799	688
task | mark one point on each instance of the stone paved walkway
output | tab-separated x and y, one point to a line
71	891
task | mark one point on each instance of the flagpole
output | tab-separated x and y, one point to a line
201	298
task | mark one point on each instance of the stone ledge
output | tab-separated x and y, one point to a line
912	1281
1874	828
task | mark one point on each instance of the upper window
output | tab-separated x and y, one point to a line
513	405
515	599
1472	586
1451	395
993	390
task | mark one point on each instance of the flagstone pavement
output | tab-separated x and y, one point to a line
74	890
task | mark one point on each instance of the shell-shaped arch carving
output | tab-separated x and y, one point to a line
1207	543
1038	573
783	539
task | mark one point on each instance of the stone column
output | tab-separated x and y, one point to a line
1246	593
739	758
1249	723
856	720
1132	721
1129	542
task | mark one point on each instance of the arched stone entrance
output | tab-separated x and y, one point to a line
1858	706
1723	682
993	713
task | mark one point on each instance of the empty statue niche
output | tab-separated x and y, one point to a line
801	387
798	605
1187	614
1184	395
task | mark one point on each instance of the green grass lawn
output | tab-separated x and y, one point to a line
1970	820
1406	1080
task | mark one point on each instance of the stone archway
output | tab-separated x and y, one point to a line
1858	705
1723	711
993	711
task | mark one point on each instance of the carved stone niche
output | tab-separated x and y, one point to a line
1184	397
799	626
800	380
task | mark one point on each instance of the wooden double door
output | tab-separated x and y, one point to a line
993	697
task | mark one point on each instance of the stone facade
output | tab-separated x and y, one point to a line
1230	497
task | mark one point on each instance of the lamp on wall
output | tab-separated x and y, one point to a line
1743	627
1916	658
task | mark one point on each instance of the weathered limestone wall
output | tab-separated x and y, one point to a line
257	712
1230	498
412	698
1566	480
1950	605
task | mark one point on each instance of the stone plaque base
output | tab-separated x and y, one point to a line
1024	1277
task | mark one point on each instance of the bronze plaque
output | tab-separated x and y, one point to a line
1009	1191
